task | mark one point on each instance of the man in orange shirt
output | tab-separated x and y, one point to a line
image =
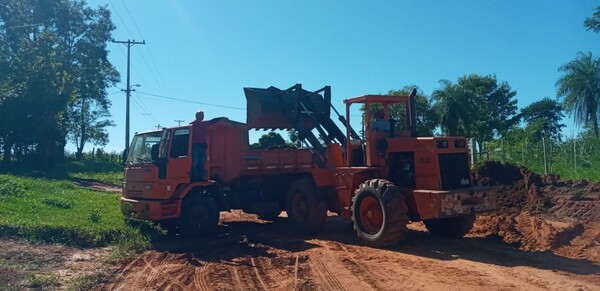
199	147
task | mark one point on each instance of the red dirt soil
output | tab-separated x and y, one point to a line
542	213
544	236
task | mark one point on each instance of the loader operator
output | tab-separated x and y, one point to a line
381	124
198	147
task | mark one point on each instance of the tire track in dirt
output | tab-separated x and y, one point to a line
200	277
238	280
332	274
247	275
258	277
377	280
279	270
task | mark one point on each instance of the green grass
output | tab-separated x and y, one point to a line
101	170
42	281
107	171
88	282
575	159
53	211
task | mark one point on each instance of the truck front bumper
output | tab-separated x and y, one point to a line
153	210
444	204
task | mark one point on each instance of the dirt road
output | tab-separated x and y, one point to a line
248	254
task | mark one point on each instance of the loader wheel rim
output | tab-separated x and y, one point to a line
371	215
299	206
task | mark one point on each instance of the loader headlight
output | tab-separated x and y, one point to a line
441	144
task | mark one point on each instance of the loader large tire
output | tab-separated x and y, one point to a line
450	227
306	213
379	213
199	215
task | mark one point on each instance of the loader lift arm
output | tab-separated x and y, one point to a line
300	110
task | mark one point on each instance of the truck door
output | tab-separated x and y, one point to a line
179	156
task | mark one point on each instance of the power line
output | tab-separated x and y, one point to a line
189	101
119	15
155	68
141	101
143	106
146	115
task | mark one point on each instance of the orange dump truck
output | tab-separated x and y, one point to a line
380	181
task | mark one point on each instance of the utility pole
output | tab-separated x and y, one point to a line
129	44
179	121
158	126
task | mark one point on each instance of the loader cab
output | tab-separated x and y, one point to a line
384	117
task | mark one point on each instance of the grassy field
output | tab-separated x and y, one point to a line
575	159
53	211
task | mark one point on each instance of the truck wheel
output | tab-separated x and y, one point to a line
199	215
379	213
305	212
450	227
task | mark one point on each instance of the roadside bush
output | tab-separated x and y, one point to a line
10	186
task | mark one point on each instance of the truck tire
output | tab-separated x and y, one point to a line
305	212
455	227
199	215
379	213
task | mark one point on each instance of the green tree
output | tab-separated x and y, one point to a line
87	126
579	86
426	116
54	57
271	140
454	107
94	74
593	23
492	106
544	118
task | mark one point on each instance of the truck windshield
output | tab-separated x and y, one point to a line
141	147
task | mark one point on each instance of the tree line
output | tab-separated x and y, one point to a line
54	73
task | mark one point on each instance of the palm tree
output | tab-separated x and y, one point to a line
580	88
593	23
452	104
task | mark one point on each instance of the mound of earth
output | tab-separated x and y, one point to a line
541	213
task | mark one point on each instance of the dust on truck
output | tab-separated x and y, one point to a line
380	181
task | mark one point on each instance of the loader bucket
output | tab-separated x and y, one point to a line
267	110
273	108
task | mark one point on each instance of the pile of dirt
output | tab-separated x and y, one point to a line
540	213
521	190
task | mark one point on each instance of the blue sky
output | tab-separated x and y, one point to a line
207	51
